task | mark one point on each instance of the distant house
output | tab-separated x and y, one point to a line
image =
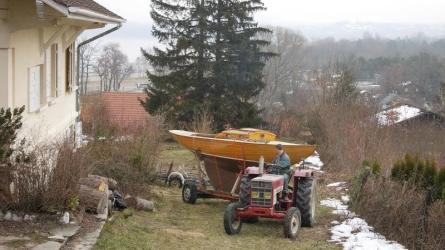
37	59
124	110
408	115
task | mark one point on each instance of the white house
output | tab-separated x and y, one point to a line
38	59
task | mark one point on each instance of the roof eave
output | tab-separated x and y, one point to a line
84	14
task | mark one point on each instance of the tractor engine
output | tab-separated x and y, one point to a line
264	190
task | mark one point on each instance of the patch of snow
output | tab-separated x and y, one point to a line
312	162
336	184
65	219
354	233
398	114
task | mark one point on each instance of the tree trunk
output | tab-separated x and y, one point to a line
92	199
139	204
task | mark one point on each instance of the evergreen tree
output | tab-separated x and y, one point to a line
213	59
178	80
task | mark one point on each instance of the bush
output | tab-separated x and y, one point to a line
10	123
131	160
419	173
48	181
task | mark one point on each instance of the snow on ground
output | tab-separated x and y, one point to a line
336	184
313	162
354	233
398	114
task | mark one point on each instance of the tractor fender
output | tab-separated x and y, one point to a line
303	173
252	171
174	175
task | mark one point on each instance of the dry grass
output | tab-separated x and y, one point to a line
177	225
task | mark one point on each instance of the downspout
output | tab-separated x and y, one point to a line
118	26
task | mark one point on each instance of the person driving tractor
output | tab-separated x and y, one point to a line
281	165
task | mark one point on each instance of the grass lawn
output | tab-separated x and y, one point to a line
176	225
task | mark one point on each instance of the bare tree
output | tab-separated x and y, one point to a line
140	66
282	73
86	59
112	67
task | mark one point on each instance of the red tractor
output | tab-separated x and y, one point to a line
261	195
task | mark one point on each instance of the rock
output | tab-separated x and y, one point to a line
27	217
65	219
8	215
16	218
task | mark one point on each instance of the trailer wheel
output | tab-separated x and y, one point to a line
306	200
244	191
175	182
189	192
292	223
232	224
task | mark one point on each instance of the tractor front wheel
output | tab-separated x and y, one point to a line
189	192
244	191
306	200
232	224
292	223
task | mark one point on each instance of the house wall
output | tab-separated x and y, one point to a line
57	115
4	55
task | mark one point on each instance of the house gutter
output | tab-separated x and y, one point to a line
118	26
92	14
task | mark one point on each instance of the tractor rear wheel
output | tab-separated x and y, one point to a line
189	192
232	224
306	200
292	223
244	191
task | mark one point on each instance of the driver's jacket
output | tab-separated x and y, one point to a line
282	163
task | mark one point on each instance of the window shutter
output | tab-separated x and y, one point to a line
34	88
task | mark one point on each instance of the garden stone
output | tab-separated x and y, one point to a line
16	218
65	219
8	216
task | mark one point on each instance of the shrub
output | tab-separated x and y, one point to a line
48	181
10	123
131	160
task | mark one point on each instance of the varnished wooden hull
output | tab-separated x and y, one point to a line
225	158
240	150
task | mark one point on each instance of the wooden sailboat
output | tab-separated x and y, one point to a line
226	154
243	145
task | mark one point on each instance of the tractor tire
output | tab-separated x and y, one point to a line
232	225
292	223
244	191
189	192
306	200
251	220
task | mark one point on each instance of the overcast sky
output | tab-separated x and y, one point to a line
288	13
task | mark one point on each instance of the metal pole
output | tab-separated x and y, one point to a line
78	60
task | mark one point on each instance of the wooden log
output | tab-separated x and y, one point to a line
139	204
95	183
112	183
92	199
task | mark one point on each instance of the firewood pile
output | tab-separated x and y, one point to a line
99	195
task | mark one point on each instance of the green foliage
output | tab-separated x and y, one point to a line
212	57
420	173
345	90
10	123
368	170
439	183
73	203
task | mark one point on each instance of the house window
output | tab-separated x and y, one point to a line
35	87
69	64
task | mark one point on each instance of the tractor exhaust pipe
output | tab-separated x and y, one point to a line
261	165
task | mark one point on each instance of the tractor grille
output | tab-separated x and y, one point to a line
261	194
